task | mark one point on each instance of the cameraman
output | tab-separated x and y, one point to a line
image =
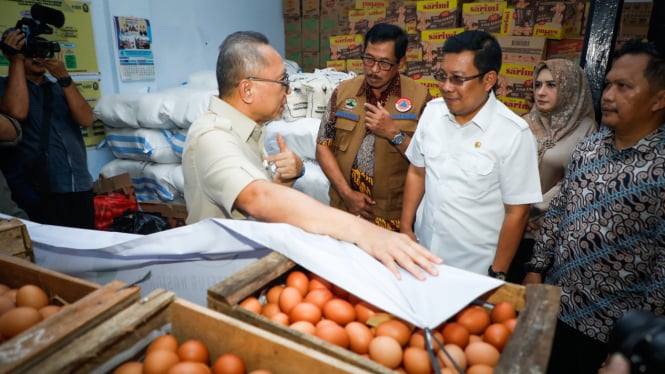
10	135
47	172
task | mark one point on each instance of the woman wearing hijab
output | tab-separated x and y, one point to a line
562	115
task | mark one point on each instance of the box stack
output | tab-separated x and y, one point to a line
539	28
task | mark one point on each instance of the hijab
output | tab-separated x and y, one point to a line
573	104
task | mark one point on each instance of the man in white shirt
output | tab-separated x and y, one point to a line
473	164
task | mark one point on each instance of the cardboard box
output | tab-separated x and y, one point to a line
370	4
635	18
529	345
125	335
310	61
344	47
432	42
518	105
515	81
518	21
175	214
554	19
570	49
436	14
338	65
291	8
15	240
310	34
310	8
431	84
361	20
485	16
121	183
526	50
86	305
355	65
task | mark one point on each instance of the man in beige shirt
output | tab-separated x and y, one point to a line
227	175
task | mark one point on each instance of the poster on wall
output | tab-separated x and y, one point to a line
134	40
74	36
91	92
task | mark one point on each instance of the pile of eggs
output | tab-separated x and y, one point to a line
165	356
474	338
22	308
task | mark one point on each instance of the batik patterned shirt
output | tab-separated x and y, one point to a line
603	238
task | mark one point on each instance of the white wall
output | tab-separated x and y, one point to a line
186	37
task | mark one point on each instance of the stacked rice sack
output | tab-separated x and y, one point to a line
146	132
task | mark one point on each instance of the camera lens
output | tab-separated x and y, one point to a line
640	337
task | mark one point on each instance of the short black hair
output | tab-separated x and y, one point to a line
385	32
655	71
486	48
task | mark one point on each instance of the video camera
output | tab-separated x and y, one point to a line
36	46
640	337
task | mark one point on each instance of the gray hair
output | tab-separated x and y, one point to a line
238	59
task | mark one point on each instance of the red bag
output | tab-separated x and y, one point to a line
110	206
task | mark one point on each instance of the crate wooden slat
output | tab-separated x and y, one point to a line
538	306
87	304
14	239
220	333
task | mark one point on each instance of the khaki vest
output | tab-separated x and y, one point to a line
390	166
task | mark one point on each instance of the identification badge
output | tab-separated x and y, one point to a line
350	103
403	105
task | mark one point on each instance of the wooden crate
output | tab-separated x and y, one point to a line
124	337
14	239
86	305
528	347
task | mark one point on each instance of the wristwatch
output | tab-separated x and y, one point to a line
398	139
496	274
65	81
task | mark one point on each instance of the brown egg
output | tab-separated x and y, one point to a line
475	338
305	312
298	280
359	337
189	368
457	355
252	304
229	363
132	367
32	296
497	334
481	353
340	311
396	329
475	318
281	318
480	369
333	333
303	326
386	351
319	297
502	311
166	342
511	323
159	361
416	361
315	281
272	296
364	311
454	333
49	310
6	304
418	339
11	294
260	371
17	320
289	297
270	309
194	350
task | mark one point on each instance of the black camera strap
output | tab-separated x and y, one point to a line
46	119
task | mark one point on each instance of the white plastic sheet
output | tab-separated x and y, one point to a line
423	303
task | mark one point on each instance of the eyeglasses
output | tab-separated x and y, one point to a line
284	81
369	61
455	79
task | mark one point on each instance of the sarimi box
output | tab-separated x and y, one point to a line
436	14
344	47
515	81
485	16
